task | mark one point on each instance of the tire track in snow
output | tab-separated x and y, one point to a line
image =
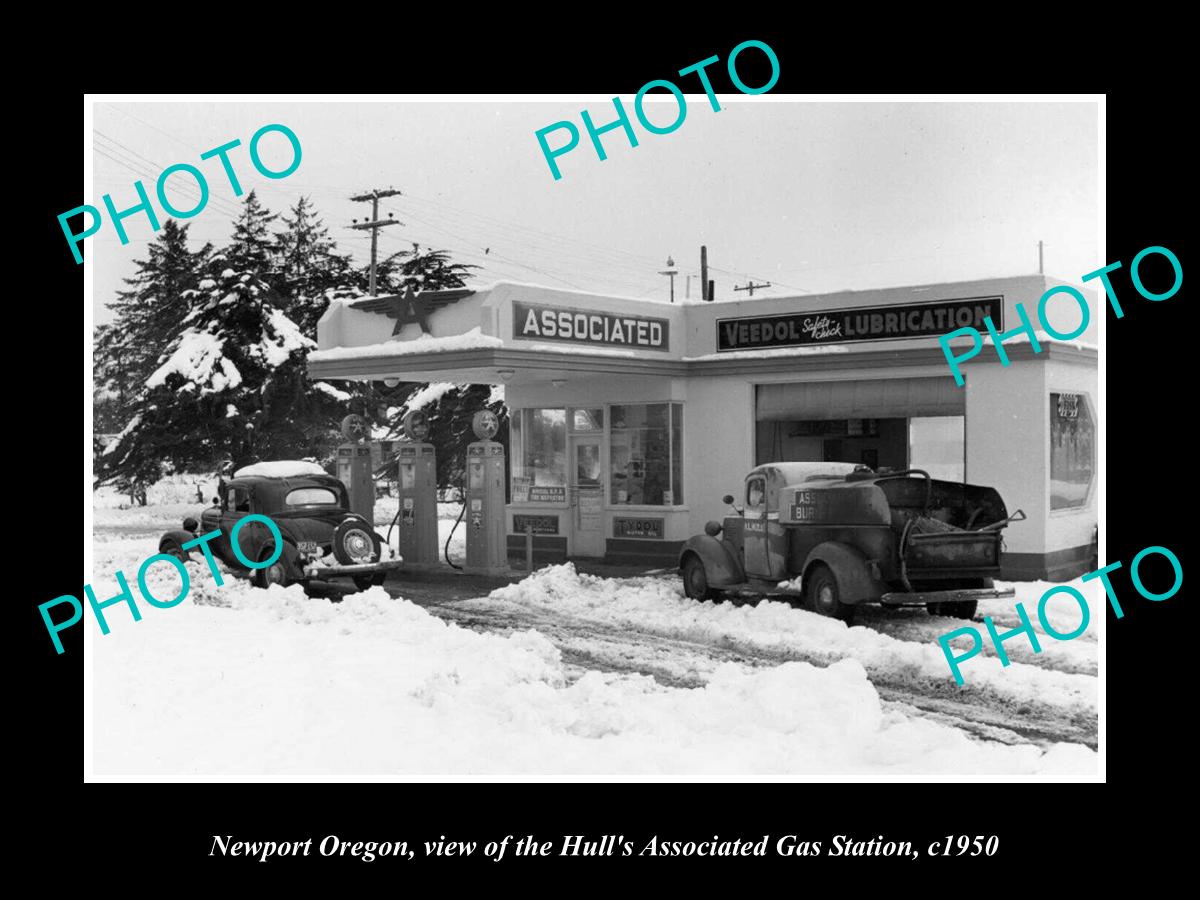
680	662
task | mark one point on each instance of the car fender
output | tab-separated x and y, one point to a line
720	558
856	583
179	537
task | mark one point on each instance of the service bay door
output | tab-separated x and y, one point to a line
587	497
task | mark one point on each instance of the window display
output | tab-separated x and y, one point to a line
646	454
538	439
1072	450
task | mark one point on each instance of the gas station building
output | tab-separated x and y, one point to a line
630	419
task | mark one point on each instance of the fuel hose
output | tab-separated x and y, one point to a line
462	492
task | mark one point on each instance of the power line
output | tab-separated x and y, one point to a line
187	190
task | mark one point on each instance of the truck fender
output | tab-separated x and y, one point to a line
720	558
856	584
179	537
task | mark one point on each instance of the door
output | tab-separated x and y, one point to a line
755	527
235	504
587	497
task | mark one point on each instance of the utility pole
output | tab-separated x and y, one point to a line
704	273
671	273
752	287
375	224
687	291
1040	271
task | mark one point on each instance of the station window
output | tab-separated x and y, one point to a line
646	454
538	444
1072	450
586	419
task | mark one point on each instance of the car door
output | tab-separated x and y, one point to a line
754	525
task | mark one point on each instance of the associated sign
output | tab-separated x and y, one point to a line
576	326
873	323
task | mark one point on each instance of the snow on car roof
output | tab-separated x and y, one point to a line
280	468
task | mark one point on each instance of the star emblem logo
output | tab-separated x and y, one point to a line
405	309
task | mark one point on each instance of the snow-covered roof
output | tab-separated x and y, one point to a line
474	339
279	468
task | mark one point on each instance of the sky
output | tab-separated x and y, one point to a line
811	197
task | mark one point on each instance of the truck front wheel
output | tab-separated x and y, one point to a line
695	580
824	595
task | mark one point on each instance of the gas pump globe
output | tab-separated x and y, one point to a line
487	553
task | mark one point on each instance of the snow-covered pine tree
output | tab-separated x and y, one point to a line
311	271
145	316
429	270
233	383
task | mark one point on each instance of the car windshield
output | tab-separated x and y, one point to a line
311	496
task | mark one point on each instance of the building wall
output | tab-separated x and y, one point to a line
1007	441
1068	530
718	444
1008	447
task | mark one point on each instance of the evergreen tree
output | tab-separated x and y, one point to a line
146	315
232	383
311	270
431	270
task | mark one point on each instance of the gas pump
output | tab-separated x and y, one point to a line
417	481
487	552
354	467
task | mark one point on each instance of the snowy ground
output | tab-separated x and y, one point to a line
559	673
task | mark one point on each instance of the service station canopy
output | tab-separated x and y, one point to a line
517	333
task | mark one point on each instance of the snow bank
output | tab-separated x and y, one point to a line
274	683
280	468
658	606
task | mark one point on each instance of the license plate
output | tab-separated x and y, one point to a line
308	547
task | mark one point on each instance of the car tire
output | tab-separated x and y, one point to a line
173	548
276	573
355	541
825	596
695	580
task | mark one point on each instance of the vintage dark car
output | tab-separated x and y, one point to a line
854	536
322	538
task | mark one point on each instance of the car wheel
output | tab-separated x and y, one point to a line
172	548
276	573
695	580
824	594
355	542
